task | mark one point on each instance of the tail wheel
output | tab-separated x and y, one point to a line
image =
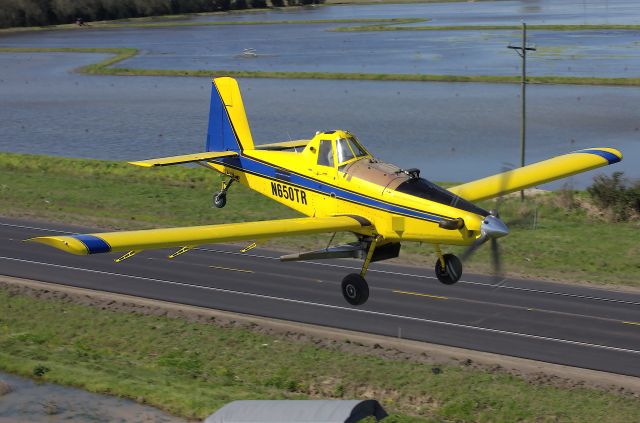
355	289
452	270
220	199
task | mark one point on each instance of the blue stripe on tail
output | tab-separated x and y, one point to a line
220	135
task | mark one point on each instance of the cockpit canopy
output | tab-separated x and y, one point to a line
347	149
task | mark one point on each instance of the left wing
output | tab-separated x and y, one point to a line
537	173
193	236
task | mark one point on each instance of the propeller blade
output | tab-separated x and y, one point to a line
496	259
492	229
473	247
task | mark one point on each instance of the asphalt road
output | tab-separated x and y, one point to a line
565	324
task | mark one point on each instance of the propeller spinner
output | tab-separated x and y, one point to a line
491	228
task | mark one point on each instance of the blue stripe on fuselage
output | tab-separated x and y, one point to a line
262	169
610	157
94	244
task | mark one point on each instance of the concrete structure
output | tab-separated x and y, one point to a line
297	411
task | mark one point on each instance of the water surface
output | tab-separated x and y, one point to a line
29	401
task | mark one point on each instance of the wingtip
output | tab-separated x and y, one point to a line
614	152
142	164
611	155
65	243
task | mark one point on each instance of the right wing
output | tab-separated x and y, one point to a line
193	236
537	173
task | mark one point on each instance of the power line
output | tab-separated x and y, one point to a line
522	52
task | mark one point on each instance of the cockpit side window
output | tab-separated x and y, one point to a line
344	151
325	153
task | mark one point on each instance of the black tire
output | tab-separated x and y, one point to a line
355	289
220	200
452	271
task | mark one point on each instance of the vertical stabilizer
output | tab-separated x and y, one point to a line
228	124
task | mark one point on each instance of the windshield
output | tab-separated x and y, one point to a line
348	148
420	187
356	147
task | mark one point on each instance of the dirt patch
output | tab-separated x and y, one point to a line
534	372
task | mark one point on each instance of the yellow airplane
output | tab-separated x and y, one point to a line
334	181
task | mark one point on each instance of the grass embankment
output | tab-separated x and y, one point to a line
169	22
370	2
191	369
554	238
104	67
586	27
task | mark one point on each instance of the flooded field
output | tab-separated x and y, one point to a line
452	131
466	13
313	48
28	401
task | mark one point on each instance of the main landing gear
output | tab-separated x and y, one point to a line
354	287
220	198
448	268
356	290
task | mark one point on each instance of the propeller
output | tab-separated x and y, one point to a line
492	228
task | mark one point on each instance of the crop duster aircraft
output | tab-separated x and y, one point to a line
340	187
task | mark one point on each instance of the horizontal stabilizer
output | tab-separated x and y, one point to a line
198	235
284	145
537	173
187	158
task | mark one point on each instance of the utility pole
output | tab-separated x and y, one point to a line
522	52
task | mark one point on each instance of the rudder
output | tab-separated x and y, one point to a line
228	125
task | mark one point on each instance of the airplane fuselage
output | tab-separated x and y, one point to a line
314	186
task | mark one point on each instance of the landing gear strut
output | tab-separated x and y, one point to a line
448	268
354	287
220	198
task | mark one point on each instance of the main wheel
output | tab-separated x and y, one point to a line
355	289
452	271
220	200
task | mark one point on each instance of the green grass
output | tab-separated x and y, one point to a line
104	67
167	22
566	244
368	2
191	369
599	27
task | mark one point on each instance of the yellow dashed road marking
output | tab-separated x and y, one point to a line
417	294
231	268
632	323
